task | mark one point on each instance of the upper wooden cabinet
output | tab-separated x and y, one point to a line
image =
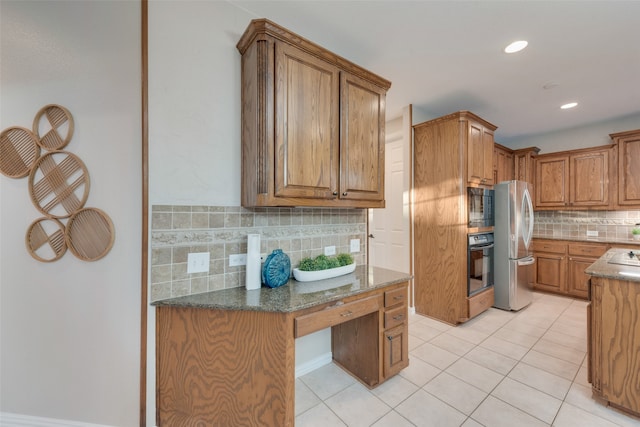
628	180
312	124
577	179
480	145
502	164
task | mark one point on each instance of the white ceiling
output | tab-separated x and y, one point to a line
445	56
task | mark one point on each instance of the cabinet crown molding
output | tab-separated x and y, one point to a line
264	27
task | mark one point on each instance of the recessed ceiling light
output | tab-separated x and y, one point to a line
516	46
568	105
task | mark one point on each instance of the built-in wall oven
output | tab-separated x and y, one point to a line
479	262
480	209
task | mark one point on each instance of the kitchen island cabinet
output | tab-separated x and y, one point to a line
313	124
228	357
613	332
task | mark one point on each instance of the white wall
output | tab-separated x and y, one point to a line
70	329
572	139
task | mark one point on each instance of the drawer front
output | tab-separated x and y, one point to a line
587	250
395	296
334	315
480	302
395	317
552	247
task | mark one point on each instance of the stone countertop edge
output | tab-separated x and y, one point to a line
591	240
292	296
602	268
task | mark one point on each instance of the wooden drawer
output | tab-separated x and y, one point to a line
395	296
395	317
480	302
334	315
591	250
552	247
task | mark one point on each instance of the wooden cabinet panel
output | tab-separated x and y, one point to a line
592	250
396	350
575	179
503	166
334	315
480	302
355	347
550	272
578	280
523	164
589	179
362	139
628	171
552	185
312	124
440	214
615	342
307	138
555	247
395	297
480	145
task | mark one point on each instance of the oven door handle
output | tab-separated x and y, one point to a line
480	247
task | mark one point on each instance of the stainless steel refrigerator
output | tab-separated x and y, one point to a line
513	232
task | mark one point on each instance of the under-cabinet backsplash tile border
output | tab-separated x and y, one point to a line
613	225
179	230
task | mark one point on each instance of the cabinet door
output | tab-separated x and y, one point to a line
396	350
589	179
629	171
578	280
503	165
480	145
306	133
362	139
552	182
550	272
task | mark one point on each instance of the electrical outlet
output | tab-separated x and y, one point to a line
592	234
354	245
329	250
237	259
198	262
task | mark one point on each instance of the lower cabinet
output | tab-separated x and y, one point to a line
395	337
560	265
613	364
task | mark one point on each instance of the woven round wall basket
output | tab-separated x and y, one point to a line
59	184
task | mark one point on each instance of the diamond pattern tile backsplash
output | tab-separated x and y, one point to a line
177	231
612	225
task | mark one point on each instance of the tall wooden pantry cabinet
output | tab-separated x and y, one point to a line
451	153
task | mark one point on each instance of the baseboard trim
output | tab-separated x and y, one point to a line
18	420
313	364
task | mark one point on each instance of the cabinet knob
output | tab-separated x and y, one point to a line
344	194
335	193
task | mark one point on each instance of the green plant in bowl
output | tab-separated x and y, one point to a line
323	262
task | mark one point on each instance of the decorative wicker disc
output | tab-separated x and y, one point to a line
90	234
18	151
55	124
59	184
45	239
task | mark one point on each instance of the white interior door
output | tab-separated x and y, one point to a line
389	241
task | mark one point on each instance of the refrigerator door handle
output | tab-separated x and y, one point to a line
526	261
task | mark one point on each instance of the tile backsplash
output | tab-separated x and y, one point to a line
613	225
177	231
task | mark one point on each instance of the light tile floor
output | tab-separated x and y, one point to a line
499	369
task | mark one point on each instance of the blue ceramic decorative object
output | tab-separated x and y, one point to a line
276	269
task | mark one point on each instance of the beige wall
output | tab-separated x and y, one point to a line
70	329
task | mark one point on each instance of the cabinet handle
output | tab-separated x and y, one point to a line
346	314
344	194
335	193
399	317
398	297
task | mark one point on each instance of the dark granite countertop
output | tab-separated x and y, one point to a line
294	295
603	268
611	241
